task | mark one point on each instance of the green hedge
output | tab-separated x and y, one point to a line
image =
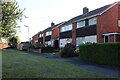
47	49
101	53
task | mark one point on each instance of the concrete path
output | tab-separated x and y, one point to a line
106	70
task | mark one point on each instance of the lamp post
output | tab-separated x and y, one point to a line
28	31
28	38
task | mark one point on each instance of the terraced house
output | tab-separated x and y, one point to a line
99	25
50	36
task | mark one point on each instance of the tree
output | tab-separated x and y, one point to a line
14	40
11	14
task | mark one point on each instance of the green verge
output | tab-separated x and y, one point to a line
18	64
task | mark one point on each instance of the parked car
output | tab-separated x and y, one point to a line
23	46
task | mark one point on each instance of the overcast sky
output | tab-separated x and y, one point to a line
41	13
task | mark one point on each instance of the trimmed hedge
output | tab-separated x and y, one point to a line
47	49
101	53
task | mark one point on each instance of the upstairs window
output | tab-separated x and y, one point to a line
93	21
48	33
80	24
41	35
66	28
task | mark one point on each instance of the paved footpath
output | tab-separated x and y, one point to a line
109	71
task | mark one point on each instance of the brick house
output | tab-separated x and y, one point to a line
35	38
50	36
47	33
56	34
40	37
99	25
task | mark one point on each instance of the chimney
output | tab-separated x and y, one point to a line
52	24
85	10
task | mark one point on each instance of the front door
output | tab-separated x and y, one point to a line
56	44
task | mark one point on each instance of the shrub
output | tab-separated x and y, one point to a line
68	51
36	45
101	53
47	49
77	51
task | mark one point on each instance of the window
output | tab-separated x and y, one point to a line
93	21
80	40
119	23
80	24
66	28
63	42
48	43
41	35
106	39
48	33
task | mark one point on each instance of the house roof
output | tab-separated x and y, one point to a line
48	29
40	32
90	14
58	25
94	12
52	27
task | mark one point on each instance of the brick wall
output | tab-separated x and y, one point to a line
55	33
34	38
118	38
43	37
119	16
107	23
74	33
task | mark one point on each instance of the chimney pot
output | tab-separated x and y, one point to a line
52	24
85	10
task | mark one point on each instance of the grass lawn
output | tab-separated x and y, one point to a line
17	64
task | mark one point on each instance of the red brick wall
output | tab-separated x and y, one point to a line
111	38
119	17
118	38
43	37
107	22
34	38
55	33
74	33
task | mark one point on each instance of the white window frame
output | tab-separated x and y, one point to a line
81	24
118	23
82	40
93	21
63	42
41	35
48	33
48	43
66	28
105	37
